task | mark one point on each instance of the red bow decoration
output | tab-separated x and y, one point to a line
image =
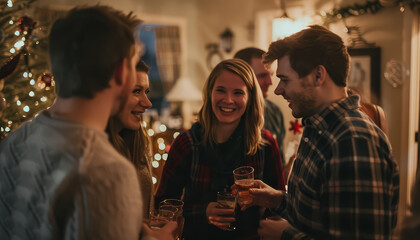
295	127
26	25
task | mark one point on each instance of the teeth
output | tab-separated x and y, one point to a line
137	113
226	109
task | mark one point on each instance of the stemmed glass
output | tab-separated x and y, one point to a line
176	206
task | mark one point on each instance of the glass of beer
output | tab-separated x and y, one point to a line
244	179
177	206
228	201
158	218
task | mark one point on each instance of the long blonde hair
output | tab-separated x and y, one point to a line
253	117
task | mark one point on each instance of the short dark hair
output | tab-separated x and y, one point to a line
310	48
247	54
87	45
142	67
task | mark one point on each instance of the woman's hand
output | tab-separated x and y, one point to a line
167	232
220	217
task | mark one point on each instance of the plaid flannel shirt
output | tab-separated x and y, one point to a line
345	182
185	169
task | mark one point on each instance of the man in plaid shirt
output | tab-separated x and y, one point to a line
345	182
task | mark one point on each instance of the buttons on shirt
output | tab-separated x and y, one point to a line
306	139
319	132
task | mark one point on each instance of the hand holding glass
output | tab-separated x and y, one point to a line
176	206
227	201
158	218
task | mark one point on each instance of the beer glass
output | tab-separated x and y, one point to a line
244	179
158	218
227	201
177	206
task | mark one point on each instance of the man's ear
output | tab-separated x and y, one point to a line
320	75
120	72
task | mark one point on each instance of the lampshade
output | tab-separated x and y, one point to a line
282	27
183	90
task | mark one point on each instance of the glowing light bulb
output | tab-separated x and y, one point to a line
160	140
155	164
11	22
162	128
25	74
43	99
161	146
10	3
26	109
154	180
176	134
17	33
31	94
7	129
18	102
12	50
32	82
150	132
9	122
158	157
165	156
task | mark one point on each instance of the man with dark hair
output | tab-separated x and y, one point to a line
273	117
61	178
345	182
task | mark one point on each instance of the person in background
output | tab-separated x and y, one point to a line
273	117
345	181
130	139
375	112
62	178
227	135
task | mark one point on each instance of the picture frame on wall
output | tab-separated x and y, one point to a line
365	70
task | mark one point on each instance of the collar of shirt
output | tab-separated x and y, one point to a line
327	116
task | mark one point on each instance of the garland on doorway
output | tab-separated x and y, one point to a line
371	7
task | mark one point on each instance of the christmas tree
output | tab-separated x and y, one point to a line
26	86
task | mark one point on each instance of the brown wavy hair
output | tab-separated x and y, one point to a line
310	48
133	144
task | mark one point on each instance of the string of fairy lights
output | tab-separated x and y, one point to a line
161	138
21	96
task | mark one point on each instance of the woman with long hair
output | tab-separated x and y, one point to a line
227	135
129	137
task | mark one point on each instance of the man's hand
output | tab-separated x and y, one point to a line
165	233
262	195
219	217
272	228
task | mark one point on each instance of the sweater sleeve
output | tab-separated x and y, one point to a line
114	205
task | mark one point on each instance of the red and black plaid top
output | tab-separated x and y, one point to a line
187	168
